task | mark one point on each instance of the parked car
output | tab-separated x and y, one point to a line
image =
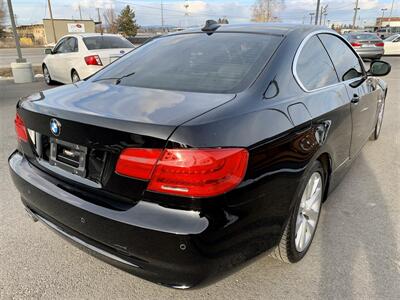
78	56
392	45
384	32
366	44
201	149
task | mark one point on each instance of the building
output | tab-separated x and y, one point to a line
66	26
388	22
32	34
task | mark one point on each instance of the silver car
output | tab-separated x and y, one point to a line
366	44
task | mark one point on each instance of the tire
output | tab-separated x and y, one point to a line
47	77
75	76
289	249
379	120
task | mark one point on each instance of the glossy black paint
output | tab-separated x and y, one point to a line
283	127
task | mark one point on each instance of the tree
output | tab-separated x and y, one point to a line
126	22
224	20
2	17
110	20
265	10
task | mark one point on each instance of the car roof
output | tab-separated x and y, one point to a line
281	29
83	35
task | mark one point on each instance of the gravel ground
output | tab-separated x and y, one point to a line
355	254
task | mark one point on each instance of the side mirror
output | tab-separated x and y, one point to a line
48	51
379	68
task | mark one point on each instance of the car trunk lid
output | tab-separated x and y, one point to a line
107	56
97	121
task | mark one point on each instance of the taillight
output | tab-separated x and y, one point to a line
20	128
137	162
187	172
93	60
199	172
381	44
356	44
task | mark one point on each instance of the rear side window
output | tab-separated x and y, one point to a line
314	67
195	62
346	62
106	42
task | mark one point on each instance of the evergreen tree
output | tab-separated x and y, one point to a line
126	22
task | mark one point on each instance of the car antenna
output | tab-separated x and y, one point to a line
210	27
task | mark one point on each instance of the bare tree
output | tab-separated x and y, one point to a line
265	10
110	19
2	17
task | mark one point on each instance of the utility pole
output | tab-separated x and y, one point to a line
323	11
52	21
14	29
80	12
383	15
356	9
317	12
186	12
99	19
162	15
325	14
311	17
390	14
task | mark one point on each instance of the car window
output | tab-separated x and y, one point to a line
391	38
106	42
364	36
59	45
67	46
344	59
74	44
219	63
314	67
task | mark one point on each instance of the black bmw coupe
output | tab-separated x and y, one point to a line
199	150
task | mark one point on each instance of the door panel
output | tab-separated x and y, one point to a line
361	90
363	113
53	60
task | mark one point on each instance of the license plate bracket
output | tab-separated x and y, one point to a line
68	156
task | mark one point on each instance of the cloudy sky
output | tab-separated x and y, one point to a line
237	11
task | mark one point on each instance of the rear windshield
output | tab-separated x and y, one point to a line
391	38
365	36
197	62
106	42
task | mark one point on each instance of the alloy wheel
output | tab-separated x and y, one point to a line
46	75
308	214
75	77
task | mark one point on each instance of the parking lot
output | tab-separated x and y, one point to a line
355	254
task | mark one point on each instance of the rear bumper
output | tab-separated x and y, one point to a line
370	52
173	247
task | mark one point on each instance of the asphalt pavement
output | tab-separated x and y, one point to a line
9	55
355	253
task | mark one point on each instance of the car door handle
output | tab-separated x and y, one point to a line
355	99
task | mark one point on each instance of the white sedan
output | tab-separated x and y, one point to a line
78	56
392	45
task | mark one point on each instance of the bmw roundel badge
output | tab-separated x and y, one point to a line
55	127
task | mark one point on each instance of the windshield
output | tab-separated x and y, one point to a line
391	38
106	42
196	62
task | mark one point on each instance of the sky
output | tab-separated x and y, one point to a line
148	12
